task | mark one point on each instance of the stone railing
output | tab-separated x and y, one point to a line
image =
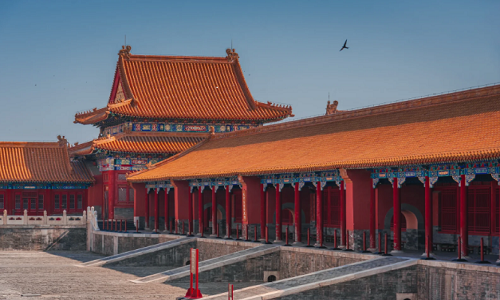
24	220
92	218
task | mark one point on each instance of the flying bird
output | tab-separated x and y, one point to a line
344	47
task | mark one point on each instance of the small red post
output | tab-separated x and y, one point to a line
335	245
255	234
286	237
364	243
267	235
137	226
385	247
116	225
125	226
237	231
347	242
459	248
246	233
308	237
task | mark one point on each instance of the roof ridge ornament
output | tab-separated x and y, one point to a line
331	108
231	54
63	142
125	52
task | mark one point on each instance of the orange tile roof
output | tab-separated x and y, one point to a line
453	127
40	162
185	87
147	143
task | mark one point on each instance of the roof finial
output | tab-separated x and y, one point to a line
125	51
331	108
231	53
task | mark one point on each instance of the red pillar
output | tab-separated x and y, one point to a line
296	215
166	208
200	209
228	212
428	216
190	213
214	211
262	212
372	217
278	213
146	208
464	231
342	215
111	194
396	215
157	210
319	214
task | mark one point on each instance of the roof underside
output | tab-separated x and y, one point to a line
40	162
451	131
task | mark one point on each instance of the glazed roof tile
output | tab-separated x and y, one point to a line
40	162
185	87
449	128
147	143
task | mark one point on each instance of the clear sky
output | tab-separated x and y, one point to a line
59	57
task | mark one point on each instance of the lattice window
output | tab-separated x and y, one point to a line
57	204
64	201
32	204
122	177
130	194
479	213
448	210
79	201
2	205
25	203
40	202
331	206
72	201
122	193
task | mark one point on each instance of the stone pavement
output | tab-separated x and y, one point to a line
314	280
211	263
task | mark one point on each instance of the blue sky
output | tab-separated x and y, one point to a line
59	57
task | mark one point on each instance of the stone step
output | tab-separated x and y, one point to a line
318	279
211	263
137	252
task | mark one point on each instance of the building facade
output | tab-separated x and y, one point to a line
424	171
41	177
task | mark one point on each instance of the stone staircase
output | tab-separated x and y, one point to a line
211	264
138	252
299	284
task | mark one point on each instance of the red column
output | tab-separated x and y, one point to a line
428	216
228	212
262	212
157	210
214	211
319	214
200	209
396	215
146	208
296	214
372	217
166	208
111	194
464	231
278	213
190	213
342	215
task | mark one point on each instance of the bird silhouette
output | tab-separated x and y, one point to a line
344	47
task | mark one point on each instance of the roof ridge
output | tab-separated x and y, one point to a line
30	144
438	100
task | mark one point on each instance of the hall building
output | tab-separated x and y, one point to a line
160	106
425	171
39	177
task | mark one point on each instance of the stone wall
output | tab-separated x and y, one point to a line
209	248
300	261
444	280
173	257
111	243
381	286
43	238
